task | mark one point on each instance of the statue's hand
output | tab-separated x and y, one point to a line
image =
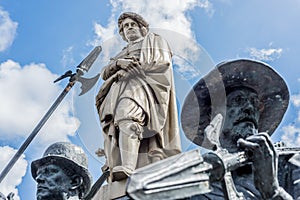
264	163
131	65
120	68
124	63
109	70
212	133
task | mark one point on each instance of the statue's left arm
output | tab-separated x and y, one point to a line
156	55
156	63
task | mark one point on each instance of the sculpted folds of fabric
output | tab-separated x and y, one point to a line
152	90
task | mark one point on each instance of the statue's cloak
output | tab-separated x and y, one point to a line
153	90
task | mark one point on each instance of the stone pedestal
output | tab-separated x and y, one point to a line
114	190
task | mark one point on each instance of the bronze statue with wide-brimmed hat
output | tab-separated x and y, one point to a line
253	98
232	111
208	96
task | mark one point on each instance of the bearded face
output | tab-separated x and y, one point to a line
242	116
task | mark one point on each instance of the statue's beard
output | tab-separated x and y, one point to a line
230	136
53	195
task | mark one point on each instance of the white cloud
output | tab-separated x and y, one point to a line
14	177
68	58
170	20
269	54
291	133
185	68
7	30
26	94
296	100
163	14
105	33
159	13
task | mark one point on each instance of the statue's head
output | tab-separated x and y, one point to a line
62	172
242	115
250	95
132	26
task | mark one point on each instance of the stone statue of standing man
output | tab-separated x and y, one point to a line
136	103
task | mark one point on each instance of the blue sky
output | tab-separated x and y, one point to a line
40	40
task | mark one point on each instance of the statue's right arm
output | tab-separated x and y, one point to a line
109	70
265	166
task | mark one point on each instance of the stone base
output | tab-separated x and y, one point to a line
102	193
114	190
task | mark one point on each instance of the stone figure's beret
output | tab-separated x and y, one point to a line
208	96
138	18
67	156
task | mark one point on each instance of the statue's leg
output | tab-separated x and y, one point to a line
111	148
129	118
129	144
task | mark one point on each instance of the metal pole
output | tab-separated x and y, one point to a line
84	66
35	131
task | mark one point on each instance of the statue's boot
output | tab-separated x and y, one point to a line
129	144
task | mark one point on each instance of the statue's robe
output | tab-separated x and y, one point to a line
153	91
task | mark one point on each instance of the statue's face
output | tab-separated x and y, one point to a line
52	183
242	117
131	29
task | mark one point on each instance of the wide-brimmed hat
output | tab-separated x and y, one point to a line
208	96
67	156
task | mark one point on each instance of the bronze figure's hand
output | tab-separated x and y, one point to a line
264	163
212	132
